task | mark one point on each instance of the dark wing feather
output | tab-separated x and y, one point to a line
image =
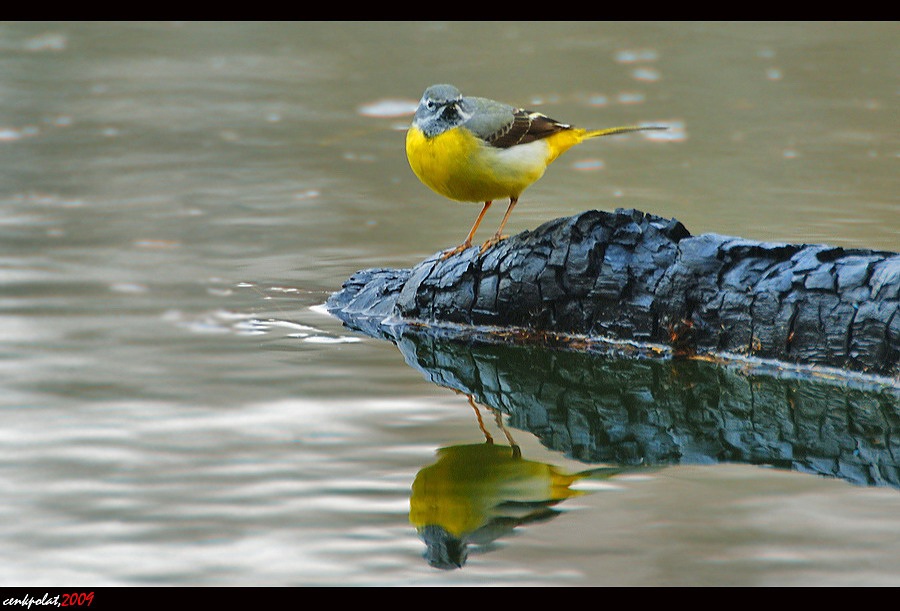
526	126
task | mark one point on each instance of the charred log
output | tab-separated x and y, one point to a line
629	276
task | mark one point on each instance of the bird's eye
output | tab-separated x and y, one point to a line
430	104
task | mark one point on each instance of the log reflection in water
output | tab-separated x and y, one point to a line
652	412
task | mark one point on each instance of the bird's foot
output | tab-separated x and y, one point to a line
492	242
455	251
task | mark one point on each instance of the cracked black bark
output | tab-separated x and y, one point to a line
629	276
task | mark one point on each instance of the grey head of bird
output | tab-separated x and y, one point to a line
442	107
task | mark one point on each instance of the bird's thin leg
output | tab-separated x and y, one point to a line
487	436
471	235
499	235
498	417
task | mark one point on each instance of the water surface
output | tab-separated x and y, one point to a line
178	198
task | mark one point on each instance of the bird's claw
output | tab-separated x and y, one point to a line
492	242
455	251
466	245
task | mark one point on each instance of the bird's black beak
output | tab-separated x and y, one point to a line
450	111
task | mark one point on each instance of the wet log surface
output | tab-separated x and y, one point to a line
629	276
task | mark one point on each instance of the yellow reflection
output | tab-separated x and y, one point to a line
474	494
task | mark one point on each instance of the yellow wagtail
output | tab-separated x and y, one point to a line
477	150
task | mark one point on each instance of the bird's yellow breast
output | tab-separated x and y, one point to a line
459	165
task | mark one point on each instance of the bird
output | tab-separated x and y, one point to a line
473	149
477	493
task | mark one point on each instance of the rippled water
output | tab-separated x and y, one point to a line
177	200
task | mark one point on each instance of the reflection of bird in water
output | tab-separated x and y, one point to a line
475	494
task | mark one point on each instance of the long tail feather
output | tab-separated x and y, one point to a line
611	131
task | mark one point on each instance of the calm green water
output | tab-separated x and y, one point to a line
177	199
